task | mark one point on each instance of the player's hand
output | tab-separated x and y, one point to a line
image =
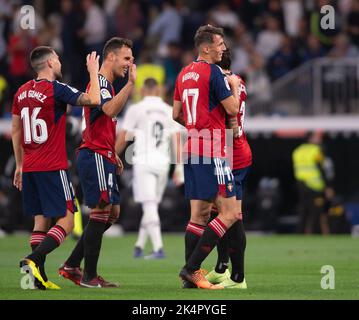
132	73
233	81
92	62
18	178
233	124
119	165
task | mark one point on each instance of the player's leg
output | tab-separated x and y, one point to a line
93	240
200	213
151	221
57	201
236	249
237	237
142	184
153	218
199	210
41	227
99	184
71	268
220	272
225	201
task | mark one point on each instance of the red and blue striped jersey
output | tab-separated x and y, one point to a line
42	105
201	87
242	154
98	129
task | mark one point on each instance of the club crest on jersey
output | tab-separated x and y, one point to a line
230	187
105	94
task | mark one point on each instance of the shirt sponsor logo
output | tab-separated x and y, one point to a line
105	94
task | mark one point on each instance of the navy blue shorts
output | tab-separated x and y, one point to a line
98	179
205	178
240	176
49	193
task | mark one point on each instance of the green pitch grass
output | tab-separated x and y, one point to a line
277	267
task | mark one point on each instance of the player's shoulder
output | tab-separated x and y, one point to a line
61	85
216	70
103	81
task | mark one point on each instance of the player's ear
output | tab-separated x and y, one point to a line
111	56
206	49
49	62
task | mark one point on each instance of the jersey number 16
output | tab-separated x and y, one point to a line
35	130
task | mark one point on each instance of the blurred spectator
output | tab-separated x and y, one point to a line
284	60
314	187
147	68
313	49
20	46
4	87
223	16
293	12
130	23
269	40
258	83
172	64
5	15
241	46
274	9
343	48
353	22
73	46
167	26
94	29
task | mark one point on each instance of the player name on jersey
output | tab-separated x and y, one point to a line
32	94
190	76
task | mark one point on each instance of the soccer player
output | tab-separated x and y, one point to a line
227	246
203	97
38	135
150	123
98	164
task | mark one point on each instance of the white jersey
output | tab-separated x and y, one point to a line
150	122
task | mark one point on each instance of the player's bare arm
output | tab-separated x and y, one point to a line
18	151
91	98
232	121
113	107
177	113
231	104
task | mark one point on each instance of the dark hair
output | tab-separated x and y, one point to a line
115	43
205	34
150	83
38	55
226	61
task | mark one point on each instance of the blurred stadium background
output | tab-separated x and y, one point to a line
299	78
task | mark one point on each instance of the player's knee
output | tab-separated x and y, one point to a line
42	223
67	222
201	219
115	214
